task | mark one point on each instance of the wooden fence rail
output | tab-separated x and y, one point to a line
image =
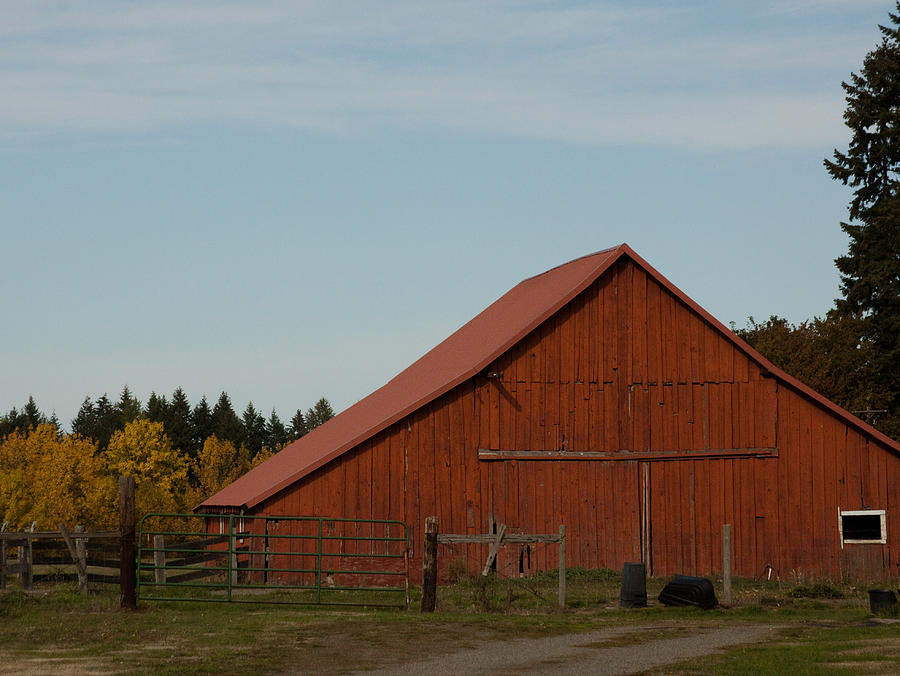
59	555
495	540
79	553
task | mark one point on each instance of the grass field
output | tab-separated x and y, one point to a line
59	631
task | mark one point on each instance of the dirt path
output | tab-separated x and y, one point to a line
620	650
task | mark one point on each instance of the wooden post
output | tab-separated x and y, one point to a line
429	565
25	561
726	563
562	565
232	556
159	559
494	550
2	563
406	577
79	563
81	554
646	558
127	545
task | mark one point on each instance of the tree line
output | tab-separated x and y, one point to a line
178	454
187	426
852	355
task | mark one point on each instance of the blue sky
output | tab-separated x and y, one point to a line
286	200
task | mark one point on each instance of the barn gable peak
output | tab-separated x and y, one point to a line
464	354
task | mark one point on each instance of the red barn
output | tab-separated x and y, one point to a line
599	396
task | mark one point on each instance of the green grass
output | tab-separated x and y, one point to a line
91	632
809	649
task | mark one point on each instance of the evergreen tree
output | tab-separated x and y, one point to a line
276	433
55	422
85	422
201	425
870	272
178	424
320	413
298	426
128	407
226	425
254	430
157	408
32	414
109	421
14	421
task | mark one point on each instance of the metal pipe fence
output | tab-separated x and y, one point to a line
273	559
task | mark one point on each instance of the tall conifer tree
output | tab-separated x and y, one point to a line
276	433
33	415
254	429
178	424
321	412
298	426
226	425
128	407
85	422
157	408
870	272
202	426
109	420
13	421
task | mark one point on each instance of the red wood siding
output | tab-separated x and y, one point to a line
626	368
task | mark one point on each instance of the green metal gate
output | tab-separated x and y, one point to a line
273	559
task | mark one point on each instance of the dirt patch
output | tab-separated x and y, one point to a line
866	667
883	646
583	653
62	666
641	635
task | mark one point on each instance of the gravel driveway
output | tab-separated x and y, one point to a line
618	650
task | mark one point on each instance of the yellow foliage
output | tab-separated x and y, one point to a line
262	456
51	478
143	451
218	464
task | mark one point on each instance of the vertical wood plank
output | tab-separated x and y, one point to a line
639	328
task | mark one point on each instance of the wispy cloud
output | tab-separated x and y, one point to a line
594	73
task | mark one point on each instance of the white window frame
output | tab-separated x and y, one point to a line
863	512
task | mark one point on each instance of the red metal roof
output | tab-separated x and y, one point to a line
461	356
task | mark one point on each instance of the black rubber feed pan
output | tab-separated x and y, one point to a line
685	590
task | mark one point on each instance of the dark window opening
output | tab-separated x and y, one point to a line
862	526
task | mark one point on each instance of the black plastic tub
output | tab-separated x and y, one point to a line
634	586
882	602
685	590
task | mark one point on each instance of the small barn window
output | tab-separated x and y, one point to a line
863	526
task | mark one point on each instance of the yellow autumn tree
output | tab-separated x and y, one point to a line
143	451
50	478
264	454
218	464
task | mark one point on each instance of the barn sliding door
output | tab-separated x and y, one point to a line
598	501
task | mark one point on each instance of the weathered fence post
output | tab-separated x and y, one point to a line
3	558
127	545
490	563
562	565
232	554
25	560
80	568
159	558
81	560
726	563
429	565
